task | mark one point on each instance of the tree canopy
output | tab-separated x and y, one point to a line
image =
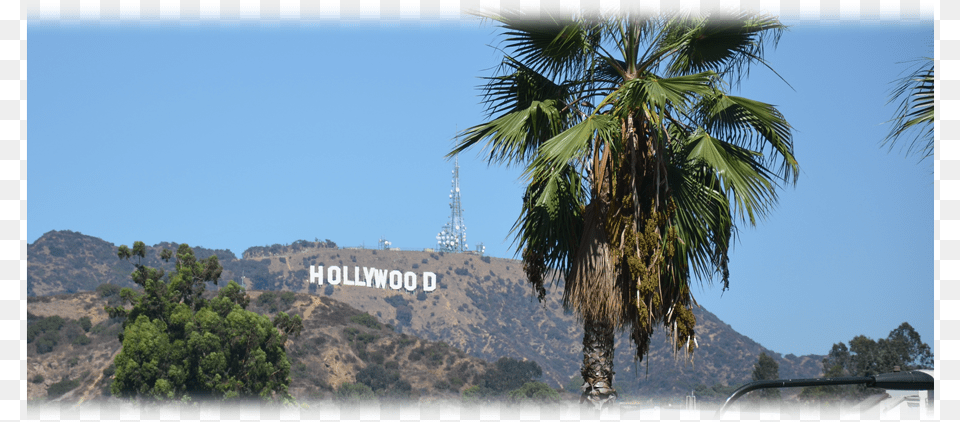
179	345
901	350
766	368
639	162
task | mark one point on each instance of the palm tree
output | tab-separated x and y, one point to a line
639	164
915	92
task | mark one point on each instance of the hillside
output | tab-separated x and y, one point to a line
482	306
336	345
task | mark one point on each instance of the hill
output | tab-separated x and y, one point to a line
338	344
481	305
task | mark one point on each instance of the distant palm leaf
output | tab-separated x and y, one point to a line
916	110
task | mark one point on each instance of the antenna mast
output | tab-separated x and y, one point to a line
453	237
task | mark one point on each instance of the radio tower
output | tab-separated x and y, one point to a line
453	237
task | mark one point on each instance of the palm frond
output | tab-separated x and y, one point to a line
916	111
742	175
550	44
550	224
727	44
751	124
516	136
574	144
650	90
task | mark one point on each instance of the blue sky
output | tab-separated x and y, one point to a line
232	136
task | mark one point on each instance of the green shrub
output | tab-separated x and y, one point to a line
477	395
354	393
288	298
109	371
535	392
37	379
73	361
85	323
108	290
47	341
81	340
58	389
366	320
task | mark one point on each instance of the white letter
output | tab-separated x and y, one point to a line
356	276
398	277
381	278
346	277
316	275
409	281
368	274
429	282
330	278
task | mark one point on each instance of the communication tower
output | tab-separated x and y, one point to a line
453	236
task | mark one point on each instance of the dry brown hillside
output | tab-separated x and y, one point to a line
332	349
482	306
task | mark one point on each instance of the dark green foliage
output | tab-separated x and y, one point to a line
328	290
461	271
366	320
109	370
287	299
475	395
47	341
534	392
485	259
73	361
510	374
179	345
37	379
108	290
574	385
51	324
85	323
379	378
767	369
58	389
421	296
350	393
865	357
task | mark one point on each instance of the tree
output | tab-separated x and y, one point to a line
767	369
639	163
509	374
535	393
916	112
901	350
179	345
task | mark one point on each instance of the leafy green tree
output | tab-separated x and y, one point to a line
767	369
475	395
639	163
901	350
178	345
358	393
509	374
916	111
534	392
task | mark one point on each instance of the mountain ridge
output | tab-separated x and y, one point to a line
482	305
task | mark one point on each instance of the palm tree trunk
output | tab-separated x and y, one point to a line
597	370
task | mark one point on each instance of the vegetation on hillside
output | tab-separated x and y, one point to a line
179	345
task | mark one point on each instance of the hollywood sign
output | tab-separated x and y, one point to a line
373	277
